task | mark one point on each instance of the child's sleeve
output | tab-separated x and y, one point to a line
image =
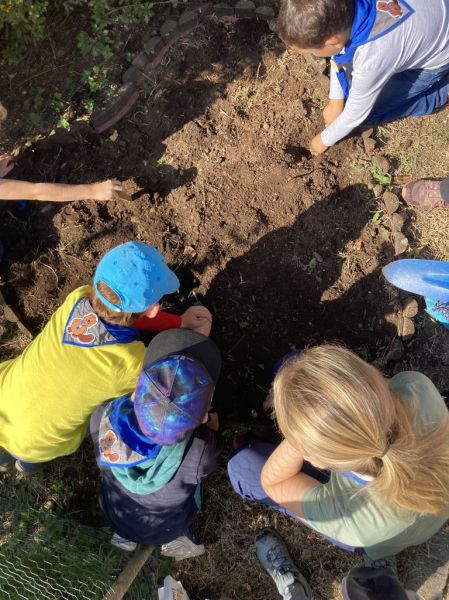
160	322
335	89
369	76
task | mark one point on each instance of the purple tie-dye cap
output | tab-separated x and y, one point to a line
172	396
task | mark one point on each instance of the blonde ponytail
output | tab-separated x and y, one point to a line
340	410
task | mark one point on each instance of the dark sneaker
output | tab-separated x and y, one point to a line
275	559
27	468
389	562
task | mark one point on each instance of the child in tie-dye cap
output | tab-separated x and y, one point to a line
154	446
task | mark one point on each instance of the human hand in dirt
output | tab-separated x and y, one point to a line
316	146
197	318
332	110
106	190
6	164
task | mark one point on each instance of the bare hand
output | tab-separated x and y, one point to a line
197	318
6	164
333	109
316	146
106	190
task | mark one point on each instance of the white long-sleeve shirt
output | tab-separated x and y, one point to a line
420	42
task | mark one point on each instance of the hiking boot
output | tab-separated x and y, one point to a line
119	542
181	548
388	562
275	559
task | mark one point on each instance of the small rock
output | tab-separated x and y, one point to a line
410	307
367	133
406	328
318	256
254	413
189	252
382	164
400	243
396	351
369	144
377	190
391	202
265	126
397	221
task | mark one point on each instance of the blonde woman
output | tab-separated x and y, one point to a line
384	445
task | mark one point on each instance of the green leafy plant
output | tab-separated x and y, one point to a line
24	21
377	218
379	177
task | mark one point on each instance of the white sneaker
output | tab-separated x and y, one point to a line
182	548
122	543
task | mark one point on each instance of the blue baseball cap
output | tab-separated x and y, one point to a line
137	273
176	386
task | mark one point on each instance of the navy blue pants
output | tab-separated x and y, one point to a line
245	467
411	93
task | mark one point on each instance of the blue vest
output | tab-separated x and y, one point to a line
372	20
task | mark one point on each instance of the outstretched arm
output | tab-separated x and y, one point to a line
11	189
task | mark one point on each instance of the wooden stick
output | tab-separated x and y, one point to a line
129	573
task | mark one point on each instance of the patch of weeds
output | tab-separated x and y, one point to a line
377	217
379	177
95	78
88	105
411	161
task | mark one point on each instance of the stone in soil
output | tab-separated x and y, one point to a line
382	164
406	328
391	202
410	307
400	243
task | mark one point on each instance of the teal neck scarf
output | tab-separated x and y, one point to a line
151	475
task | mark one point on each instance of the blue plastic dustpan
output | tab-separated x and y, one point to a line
428	278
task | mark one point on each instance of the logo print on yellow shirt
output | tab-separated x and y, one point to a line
78	328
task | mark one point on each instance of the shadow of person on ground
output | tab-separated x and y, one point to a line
299	286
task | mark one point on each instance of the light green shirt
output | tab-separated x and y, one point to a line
366	520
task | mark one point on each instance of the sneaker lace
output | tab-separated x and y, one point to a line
280	562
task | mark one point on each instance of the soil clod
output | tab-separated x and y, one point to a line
298	153
391	202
